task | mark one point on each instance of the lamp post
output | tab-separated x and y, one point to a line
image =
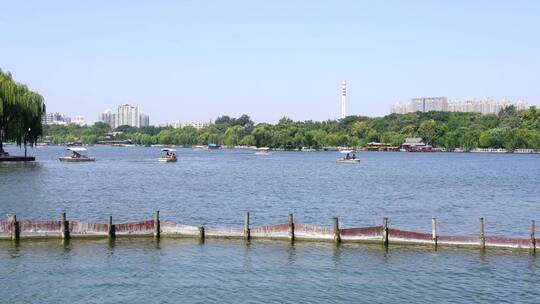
25	139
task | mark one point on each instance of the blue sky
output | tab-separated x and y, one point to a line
196	60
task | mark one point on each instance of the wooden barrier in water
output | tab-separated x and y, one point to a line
434	232
111	229
335	231
14	229
64	226
482	235
157	228
291	227
532	240
385	231
247	230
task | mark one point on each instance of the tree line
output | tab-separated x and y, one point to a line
20	112
510	129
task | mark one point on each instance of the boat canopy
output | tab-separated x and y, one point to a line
76	149
168	150
347	151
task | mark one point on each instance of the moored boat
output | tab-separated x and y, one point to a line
524	151
214	147
489	150
76	155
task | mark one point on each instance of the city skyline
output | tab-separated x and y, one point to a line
125	115
197	61
422	104
484	106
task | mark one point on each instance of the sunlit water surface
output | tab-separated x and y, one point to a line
214	188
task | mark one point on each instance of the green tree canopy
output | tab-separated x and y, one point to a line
511	130
20	112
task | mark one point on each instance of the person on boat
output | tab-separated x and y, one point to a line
347	156
354	156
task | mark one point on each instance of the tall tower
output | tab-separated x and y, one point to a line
343	99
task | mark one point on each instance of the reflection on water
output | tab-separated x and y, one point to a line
231	271
216	188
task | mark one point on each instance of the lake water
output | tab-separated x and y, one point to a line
214	188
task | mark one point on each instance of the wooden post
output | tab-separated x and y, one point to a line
64	226
157	226
385	231
291	227
247	231
482	235
201	233
532	241
337	234
15	227
111	229
434	232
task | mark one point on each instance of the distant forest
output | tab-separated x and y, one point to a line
510	129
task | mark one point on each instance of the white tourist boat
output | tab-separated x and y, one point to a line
524	151
263	151
76	155
489	150
349	158
168	155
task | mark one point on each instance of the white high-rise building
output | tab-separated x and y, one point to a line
55	119
343	99
197	125
144	120
426	104
486	106
127	115
108	117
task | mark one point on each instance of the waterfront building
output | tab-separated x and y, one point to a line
415	145
426	104
55	119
